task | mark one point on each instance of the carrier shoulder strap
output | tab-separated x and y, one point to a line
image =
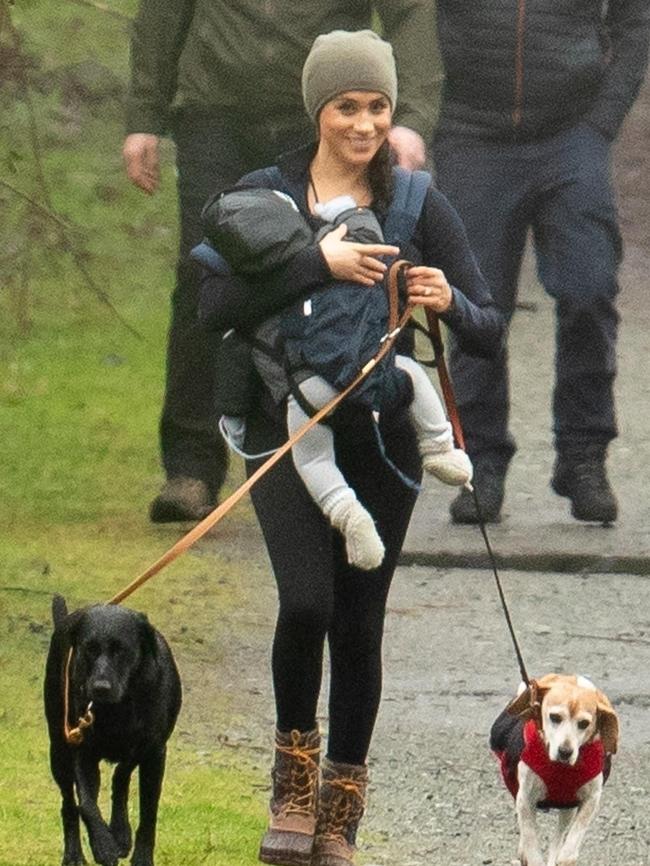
409	191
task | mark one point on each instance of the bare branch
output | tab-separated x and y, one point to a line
65	229
66	232
50	214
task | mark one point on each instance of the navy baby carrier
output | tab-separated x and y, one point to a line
337	329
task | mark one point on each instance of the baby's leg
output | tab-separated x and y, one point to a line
435	441
315	461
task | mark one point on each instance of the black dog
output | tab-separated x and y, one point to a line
123	668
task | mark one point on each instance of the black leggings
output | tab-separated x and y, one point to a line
320	595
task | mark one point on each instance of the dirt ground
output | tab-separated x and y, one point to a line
435	795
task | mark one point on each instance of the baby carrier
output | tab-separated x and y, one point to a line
338	328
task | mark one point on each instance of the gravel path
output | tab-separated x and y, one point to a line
435	796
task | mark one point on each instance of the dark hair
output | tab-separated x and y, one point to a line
380	176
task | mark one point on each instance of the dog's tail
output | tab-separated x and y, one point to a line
59	610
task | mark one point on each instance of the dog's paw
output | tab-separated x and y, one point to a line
142	857
104	848
74	858
121	833
530	858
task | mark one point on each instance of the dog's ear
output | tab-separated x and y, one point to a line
71	625
607	724
59	610
148	640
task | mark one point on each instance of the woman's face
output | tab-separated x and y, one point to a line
354	125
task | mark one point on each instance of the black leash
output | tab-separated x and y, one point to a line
454	418
504	605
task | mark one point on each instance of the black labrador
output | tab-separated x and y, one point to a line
123	668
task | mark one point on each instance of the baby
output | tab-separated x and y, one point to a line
313	455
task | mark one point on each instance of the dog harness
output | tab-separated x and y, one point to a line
563	781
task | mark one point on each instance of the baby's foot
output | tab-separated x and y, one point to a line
363	546
451	467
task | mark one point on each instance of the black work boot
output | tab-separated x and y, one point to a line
580	475
489	484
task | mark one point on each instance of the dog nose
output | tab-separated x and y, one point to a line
101	690
564	754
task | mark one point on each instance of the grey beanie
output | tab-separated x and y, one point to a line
343	60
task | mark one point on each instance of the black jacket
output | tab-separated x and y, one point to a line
524	69
439	241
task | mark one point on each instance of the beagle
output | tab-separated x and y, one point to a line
554	742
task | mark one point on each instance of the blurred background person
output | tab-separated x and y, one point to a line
223	80
534	96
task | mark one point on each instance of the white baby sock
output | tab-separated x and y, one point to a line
363	546
451	466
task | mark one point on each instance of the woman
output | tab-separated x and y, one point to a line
350	90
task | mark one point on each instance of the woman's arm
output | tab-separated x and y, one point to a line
244	300
229	301
268	273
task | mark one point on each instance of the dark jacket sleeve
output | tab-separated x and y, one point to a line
254	230
157	39
410	27
627	31
478	325
229	301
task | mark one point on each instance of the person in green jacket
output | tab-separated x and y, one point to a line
223	80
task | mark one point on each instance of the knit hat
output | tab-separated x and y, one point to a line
343	60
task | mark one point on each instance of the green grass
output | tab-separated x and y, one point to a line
80	399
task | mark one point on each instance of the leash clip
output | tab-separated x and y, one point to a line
75	736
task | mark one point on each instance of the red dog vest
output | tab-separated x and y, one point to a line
562	781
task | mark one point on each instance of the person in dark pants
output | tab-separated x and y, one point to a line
222	79
349	88
534	97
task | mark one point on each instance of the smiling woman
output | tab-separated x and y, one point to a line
352	128
335	514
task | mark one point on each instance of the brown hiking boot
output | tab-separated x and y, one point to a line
290	836
341	807
182	499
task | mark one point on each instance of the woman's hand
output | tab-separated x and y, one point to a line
408	147
357	263
429	288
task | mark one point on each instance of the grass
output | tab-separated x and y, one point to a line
79	403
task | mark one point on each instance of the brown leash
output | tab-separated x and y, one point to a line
74	736
395	277
435	336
